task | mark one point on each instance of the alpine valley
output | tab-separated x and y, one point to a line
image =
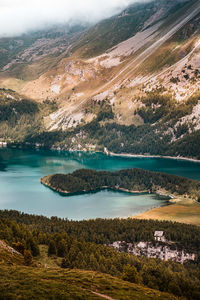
106	115
129	84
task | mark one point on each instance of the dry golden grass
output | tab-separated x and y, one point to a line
45	260
12	83
183	211
17	282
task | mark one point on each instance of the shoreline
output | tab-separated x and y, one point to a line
4	145
129	155
170	199
122	190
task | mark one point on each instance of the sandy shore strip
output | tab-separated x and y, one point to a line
127	155
149	156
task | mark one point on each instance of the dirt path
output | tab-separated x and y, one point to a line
102	296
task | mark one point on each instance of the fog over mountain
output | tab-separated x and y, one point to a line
20	16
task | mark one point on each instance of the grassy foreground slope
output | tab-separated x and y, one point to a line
10	256
58	244
19	282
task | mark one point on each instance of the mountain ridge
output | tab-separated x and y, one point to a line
159	60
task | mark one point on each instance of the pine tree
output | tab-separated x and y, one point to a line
52	248
28	258
65	264
130	274
80	261
19	247
33	246
93	263
61	248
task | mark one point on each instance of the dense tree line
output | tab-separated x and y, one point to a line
105	231
144	139
14	233
86	180
188	146
20	118
14	109
164	108
164	276
21	122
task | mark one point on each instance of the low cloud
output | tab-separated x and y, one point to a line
19	16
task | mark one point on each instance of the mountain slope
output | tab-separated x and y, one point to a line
30	55
9	256
141	94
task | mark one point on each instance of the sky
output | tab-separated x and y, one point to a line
19	16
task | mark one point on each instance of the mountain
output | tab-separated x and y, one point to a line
129	83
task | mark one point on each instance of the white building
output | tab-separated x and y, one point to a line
3	144
159	236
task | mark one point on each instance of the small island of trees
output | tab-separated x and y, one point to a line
130	180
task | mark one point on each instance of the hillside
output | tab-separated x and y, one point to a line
70	259
27	56
10	256
132	79
125	85
31	282
20	115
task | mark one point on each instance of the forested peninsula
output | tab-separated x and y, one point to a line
128	180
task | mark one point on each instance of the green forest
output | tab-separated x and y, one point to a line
82	245
20	117
22	125
85	180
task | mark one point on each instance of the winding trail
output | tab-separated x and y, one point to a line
102	296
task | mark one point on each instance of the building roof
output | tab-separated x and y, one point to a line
158	233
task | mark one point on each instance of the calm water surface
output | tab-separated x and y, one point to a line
20	188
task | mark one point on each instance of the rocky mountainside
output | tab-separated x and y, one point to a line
163	251
133	79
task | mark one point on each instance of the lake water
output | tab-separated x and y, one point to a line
20	188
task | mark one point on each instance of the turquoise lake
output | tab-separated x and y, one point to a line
20	188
